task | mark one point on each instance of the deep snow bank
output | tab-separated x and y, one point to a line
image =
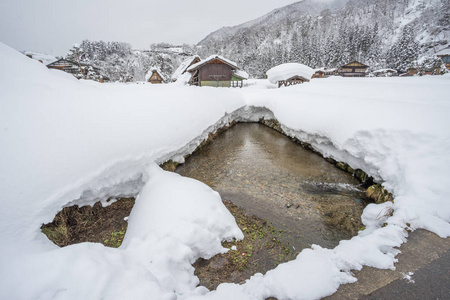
70	142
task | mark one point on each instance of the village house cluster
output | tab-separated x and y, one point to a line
217	71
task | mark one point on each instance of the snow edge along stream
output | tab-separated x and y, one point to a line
373	247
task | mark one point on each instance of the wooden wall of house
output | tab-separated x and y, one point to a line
211	72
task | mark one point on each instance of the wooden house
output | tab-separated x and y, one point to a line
444	55
216	71
154	76
323	73
353	69
65	65
411	72
319	73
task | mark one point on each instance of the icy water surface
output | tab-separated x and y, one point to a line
274	178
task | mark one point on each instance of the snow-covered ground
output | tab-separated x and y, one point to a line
66	142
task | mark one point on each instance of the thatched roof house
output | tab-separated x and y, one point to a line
154	76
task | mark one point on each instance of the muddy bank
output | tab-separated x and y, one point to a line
261	250
95	224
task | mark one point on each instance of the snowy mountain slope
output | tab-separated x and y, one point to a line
73	142
323	33
305	7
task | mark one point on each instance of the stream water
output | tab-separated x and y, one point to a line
269	176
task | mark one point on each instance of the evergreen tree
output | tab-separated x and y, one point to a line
404	52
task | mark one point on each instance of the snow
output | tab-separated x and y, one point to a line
385	70
289	70
444	51
67	141
241	74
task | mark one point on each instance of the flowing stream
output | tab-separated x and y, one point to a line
269	176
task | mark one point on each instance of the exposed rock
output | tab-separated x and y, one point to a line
169	165
272	123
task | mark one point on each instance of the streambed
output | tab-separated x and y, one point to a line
271	177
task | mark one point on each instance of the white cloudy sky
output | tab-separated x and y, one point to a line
52	26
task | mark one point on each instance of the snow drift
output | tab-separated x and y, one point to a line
67	142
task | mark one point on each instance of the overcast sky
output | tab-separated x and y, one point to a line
53	26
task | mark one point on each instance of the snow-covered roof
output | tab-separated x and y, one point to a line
325	70
289	70
210	58
355	61
45	58
385	70
183	66
241	74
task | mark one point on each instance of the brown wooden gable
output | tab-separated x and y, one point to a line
155	78
294	80
217	61
355	64
64	65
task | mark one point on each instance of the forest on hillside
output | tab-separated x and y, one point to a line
380	33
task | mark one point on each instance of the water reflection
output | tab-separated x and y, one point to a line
275	179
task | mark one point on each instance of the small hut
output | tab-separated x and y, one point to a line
353	69
289	74
154	76
411	72
319	73
323	72
216	71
